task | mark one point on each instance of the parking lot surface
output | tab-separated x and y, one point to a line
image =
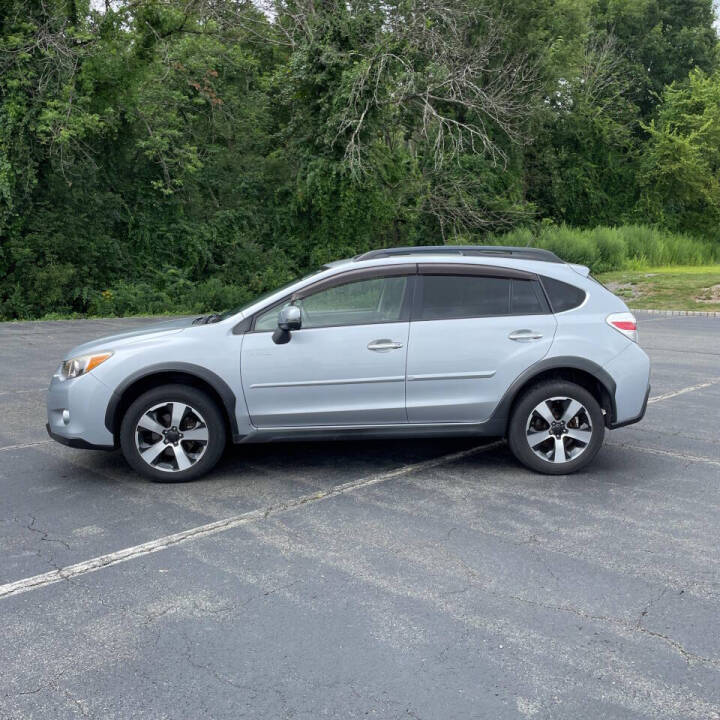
414	579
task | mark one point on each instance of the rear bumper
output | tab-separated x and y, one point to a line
630	372
632	421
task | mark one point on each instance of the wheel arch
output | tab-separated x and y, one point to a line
165	373
583	372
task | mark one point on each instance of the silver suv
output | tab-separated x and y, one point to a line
404	342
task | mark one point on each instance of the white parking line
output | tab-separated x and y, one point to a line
23	392
130	553
25	445
684	352
675	393
667	453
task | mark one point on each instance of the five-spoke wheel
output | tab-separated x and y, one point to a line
557	427
173	433
171	436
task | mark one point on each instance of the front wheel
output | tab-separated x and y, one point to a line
173	433
557	428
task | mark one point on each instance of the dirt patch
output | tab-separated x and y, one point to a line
625	290
709	295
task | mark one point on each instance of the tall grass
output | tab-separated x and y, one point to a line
615	248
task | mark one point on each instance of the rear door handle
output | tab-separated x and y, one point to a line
383	345
525	335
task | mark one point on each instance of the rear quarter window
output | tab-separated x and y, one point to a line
562	296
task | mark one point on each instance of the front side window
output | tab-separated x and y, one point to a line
364	302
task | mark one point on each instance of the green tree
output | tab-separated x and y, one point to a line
417	105
680	175
661	40
136	124
581	168
188	154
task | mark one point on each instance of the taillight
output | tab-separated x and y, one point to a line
624	323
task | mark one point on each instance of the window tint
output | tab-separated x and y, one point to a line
364	302
455	296
360	303
527	298
562	296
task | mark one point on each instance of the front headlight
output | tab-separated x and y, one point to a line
75	367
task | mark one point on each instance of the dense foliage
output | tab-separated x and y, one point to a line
160	155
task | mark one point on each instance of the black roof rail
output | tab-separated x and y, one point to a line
520	253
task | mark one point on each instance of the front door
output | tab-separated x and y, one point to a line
470	337
345	366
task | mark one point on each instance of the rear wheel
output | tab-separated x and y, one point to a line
556	428
173	433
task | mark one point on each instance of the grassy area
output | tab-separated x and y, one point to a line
627	247
667	288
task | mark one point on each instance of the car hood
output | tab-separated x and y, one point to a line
149	332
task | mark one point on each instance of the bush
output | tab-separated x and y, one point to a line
175	295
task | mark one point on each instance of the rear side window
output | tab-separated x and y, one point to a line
527	298
463	296
562	296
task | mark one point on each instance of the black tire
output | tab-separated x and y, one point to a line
525	419
202	417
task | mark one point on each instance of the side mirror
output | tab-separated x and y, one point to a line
289	318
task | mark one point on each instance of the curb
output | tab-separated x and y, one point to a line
676	313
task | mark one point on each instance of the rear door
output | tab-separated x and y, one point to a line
473	330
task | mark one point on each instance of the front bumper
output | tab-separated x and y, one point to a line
76	413
76	442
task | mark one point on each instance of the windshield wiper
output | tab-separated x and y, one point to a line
206	319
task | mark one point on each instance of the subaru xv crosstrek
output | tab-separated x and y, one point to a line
402	342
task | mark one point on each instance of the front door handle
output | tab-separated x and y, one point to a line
383	345
525	335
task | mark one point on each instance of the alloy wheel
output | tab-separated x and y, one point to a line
171	436
559	429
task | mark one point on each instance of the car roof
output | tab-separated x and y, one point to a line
504	251
534	260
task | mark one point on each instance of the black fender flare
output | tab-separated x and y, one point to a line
501	414
223	390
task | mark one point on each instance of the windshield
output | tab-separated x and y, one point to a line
241	308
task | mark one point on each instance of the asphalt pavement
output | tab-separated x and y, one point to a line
430	579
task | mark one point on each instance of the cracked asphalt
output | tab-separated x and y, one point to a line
440	584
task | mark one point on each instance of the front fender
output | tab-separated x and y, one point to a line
223	390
